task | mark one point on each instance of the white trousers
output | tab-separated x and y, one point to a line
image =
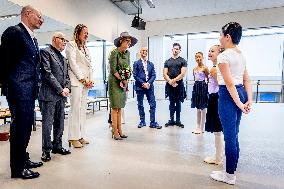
77	114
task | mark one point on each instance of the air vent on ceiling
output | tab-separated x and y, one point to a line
130	7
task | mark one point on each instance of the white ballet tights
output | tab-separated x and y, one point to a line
201	118
219	145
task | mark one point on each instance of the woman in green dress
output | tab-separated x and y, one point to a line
119	64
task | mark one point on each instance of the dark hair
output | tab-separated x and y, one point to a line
233	29
199	52
77	32
177	44
220	49
121	40
119	43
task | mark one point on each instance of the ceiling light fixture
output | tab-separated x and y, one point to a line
138	22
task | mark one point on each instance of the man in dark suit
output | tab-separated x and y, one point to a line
55	87
145	75
19	67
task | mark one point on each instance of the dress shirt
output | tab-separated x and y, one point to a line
145	68
32	34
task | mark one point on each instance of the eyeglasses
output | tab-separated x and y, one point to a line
62	39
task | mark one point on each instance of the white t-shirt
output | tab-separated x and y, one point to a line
237	64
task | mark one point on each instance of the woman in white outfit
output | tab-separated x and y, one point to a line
81	77
235	98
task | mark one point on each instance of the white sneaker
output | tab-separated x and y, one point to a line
221	176
218	172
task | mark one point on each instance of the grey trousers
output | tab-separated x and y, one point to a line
52	115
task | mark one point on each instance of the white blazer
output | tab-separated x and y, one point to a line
79	63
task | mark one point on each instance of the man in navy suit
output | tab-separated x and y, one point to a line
145	75
19	67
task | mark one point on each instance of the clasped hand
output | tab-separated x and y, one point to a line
65	92
89	84
123	84
246	107
173	82
146	85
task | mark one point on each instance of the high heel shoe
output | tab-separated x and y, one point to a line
123	136
116	137
83	141
75	143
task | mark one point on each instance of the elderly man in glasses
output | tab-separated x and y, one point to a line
54	89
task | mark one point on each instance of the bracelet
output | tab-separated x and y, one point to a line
83	81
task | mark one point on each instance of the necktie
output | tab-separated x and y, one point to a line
37	50
36	44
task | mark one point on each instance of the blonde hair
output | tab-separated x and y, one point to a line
220	49
78	29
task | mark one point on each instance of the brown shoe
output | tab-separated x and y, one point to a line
83	141
75	143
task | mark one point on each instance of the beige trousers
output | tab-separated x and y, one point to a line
77	114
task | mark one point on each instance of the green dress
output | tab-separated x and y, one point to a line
117	95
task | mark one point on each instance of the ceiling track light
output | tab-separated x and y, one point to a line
138	22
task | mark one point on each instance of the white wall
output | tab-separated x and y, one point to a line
103	18
248	19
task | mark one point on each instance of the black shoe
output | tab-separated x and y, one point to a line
45	157
26	174
142	124
179	124
123	136
61	151
155	125
30	164
170	123
117	137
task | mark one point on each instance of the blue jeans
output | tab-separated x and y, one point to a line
151	100
230	115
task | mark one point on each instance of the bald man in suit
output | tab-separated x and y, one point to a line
54	90
145	75
19	67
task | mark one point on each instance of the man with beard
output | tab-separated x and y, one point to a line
174	71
